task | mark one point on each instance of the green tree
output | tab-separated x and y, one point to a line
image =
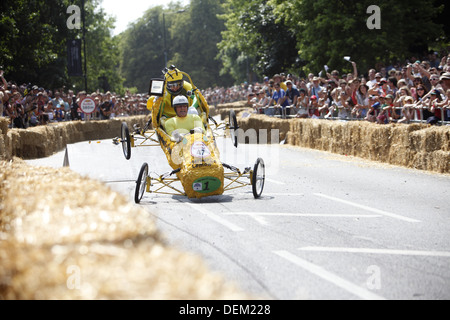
191	33
194	35
33	45
142	50
256	36
329	30
33	41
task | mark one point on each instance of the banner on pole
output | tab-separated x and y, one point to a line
74	58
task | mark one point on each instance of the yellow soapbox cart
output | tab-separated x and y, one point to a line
195	159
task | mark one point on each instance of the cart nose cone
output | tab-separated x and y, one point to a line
206	185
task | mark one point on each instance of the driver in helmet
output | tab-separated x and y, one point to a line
183	122
176	86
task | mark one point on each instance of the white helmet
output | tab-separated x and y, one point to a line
180	100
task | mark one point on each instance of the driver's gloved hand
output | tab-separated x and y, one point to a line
177	136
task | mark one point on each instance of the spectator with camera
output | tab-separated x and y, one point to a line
373	110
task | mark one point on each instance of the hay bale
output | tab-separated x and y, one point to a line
43	141
74	238
414	145
3	125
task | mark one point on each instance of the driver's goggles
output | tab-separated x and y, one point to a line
173	84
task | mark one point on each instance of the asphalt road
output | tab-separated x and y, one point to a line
326	227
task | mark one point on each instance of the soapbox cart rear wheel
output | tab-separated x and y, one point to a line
258	178
141	183
125	139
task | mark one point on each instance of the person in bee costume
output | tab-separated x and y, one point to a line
175	86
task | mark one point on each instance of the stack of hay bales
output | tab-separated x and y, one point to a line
43	141
417	146
3	137
67	237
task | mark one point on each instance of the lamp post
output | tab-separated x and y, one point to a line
164	34
84	46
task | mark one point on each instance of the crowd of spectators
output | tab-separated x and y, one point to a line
28	105
417	91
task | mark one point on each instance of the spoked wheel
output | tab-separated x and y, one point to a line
125	139
233	128
258	178
141	183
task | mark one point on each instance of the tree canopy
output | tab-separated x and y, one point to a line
33	45
218	42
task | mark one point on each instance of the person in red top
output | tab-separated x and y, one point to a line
434	108
391	113
314	107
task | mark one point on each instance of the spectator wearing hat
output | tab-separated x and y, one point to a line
444	80
315	87
279	79
290	77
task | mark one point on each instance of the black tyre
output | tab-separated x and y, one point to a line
126	142
258	178
141	183
233	128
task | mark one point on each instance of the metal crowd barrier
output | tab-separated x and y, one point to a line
284	115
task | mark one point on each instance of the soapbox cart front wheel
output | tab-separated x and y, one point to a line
232	120
141	183
258	178
125	139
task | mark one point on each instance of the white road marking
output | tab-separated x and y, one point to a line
215	217
283	194
379	251
384	213
316	215
261	220
328	276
